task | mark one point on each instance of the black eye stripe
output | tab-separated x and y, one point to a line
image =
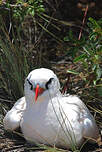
50	80
30	84
46	85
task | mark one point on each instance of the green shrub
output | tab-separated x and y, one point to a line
21	8
88	52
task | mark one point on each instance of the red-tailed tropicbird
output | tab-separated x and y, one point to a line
46	116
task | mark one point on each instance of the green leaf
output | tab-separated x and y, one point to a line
79	58
32	12
73	72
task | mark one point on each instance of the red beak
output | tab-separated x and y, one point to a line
38	91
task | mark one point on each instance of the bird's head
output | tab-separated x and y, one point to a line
40	83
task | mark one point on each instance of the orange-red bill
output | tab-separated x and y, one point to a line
38	91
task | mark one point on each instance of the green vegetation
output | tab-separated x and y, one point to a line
14	66
88	52
20	8
17	57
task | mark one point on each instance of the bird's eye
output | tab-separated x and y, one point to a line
30	84
47	84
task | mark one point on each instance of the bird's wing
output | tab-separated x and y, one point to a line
83	117
14	116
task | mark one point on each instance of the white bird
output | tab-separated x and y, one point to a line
46	116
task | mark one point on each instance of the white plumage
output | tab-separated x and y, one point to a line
46	116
